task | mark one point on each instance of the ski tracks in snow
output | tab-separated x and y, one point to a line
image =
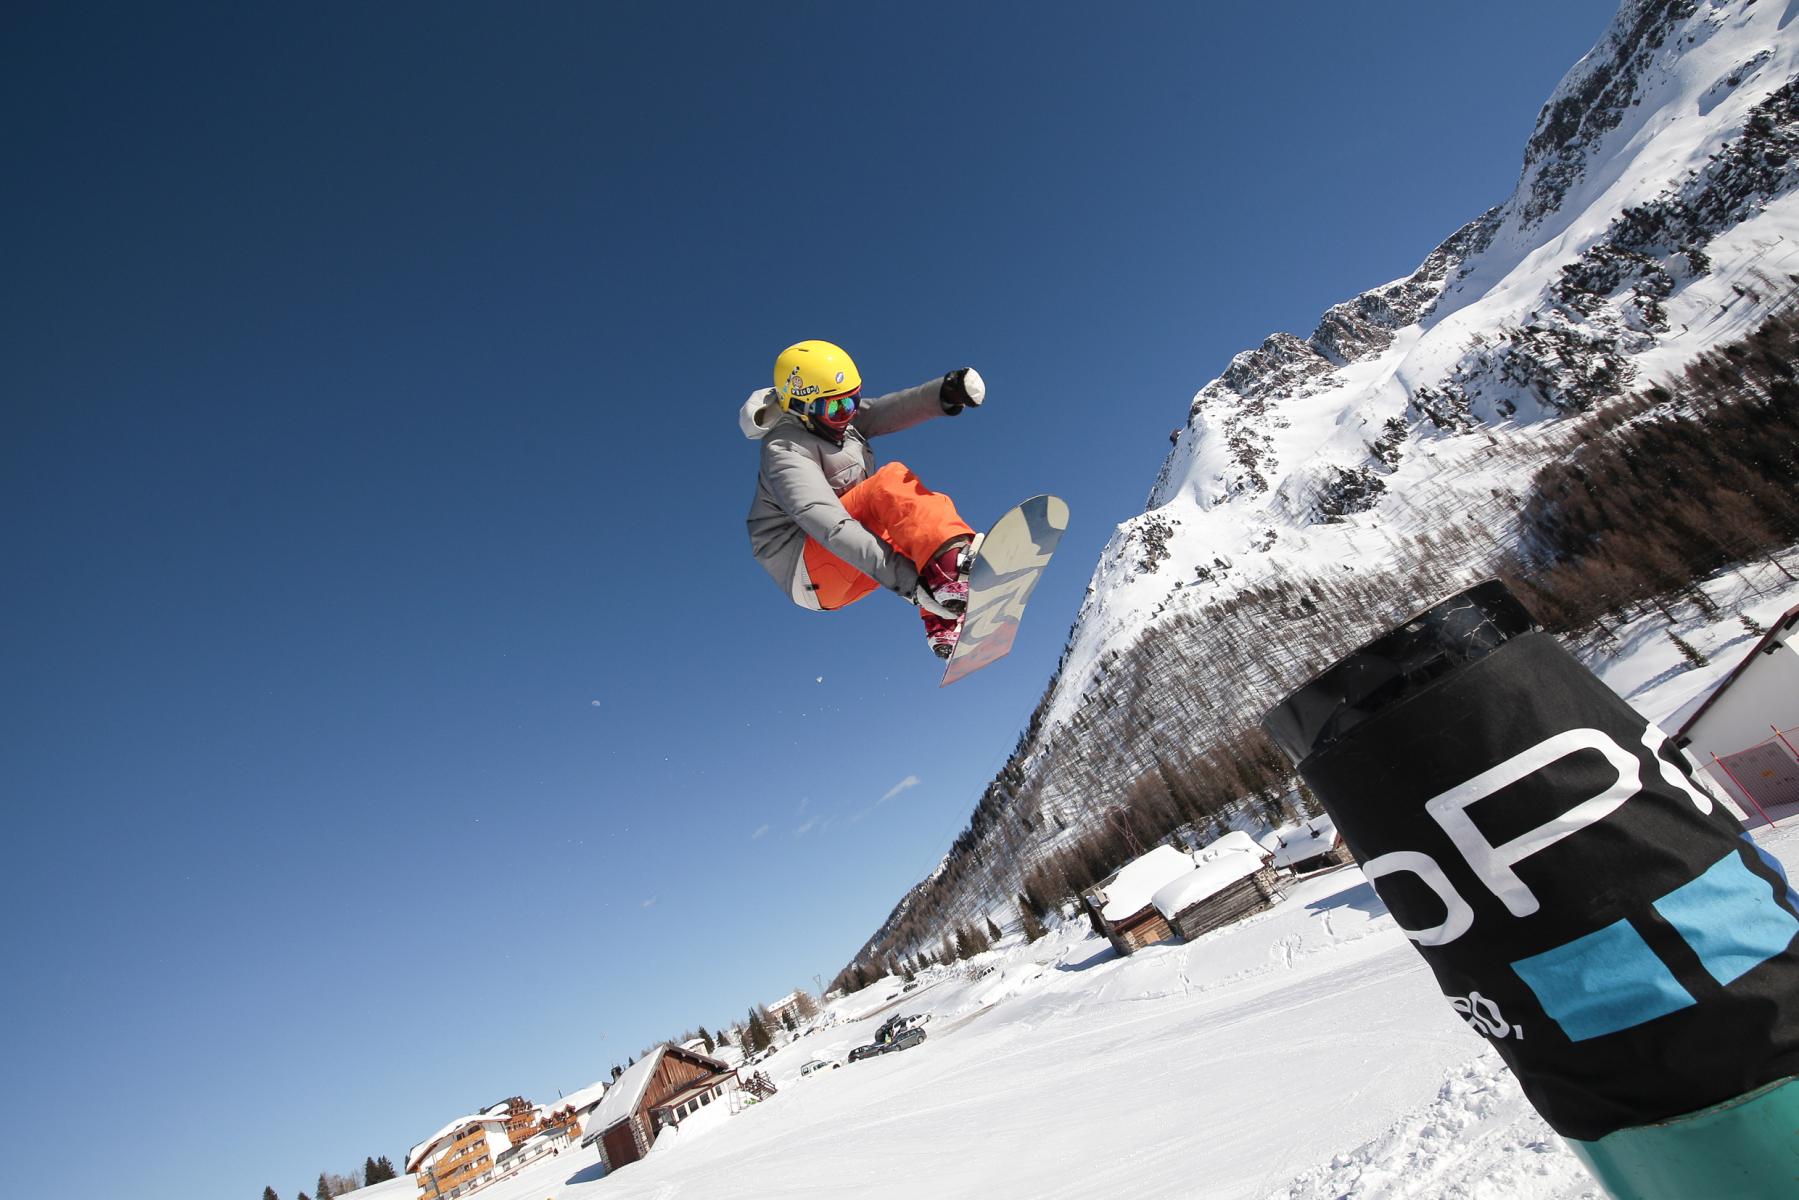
1478	1140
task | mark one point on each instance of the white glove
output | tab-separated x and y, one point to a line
960	388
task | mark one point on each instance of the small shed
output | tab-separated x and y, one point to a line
1742	733
1234	878
1313	845
1120	905
661	1089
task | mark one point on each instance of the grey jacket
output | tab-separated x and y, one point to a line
803	473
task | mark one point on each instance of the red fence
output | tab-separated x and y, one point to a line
1767	773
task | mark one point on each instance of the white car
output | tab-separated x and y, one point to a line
817	1065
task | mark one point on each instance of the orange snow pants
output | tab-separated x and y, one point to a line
901	511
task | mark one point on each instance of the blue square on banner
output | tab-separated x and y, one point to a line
1604	982
1730	918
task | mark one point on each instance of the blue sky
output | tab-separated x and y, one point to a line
393	719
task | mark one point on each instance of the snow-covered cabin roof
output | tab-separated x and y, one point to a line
1137	881
626	1092
1296	843
1232	857
416	1156
623	1097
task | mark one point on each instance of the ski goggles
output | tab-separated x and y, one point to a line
833	408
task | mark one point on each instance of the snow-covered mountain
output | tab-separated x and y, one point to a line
1323	486
1655	218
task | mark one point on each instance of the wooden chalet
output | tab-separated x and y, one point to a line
660	1090
520	1116
1120	905
459	1158
1234	878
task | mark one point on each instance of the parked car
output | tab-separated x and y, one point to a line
817	1065
897	1033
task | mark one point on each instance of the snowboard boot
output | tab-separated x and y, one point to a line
947	575
941	633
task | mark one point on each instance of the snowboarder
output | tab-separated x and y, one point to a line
825	524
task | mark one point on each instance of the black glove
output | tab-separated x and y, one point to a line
961	388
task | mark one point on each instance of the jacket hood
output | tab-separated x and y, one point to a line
759	414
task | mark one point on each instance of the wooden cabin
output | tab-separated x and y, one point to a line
1233	878
660	1090
459	1158
1121	907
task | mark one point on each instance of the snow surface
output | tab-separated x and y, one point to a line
1301	1054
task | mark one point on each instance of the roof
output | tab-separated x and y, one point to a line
417	1154
1785	624
1231	858
575	1102
1296	843
623	1097
1136	883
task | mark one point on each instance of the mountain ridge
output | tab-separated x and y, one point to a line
1323	486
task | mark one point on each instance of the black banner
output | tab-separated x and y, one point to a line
1611	930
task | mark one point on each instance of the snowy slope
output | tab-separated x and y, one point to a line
1302	1054
1430	400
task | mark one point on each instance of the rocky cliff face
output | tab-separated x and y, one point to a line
1325	485
1652	219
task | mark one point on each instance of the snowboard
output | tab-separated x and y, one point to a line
1006	569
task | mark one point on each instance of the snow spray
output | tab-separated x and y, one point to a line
1606	924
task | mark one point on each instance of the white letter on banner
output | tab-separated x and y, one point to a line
1494	863
1459	919
1655	739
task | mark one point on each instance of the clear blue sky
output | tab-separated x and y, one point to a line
390	706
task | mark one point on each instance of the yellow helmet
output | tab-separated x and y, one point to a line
809	371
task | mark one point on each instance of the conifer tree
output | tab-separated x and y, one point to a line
1688	651
724	1037
993	933
268	1193
706	1039
387	1169
323	1190
1033	928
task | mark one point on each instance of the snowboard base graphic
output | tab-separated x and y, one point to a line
1006	570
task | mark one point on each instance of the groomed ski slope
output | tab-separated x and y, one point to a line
1303	1054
